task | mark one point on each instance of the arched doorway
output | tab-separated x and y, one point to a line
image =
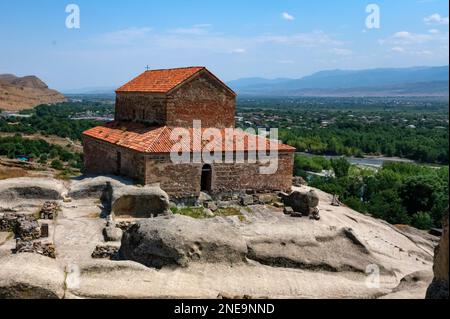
206	178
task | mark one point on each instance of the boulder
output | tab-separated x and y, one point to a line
42	278
288	211
93	187
204	197
112	233
246	200
211	206
140	202
14	189
302	202
180	240
439	287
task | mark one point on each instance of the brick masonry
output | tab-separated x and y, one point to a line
205	99
141	107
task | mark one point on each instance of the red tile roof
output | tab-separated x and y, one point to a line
159	81
144	139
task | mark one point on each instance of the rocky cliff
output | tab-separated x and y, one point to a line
439	287
19	93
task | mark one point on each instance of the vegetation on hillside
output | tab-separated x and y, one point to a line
417	129
56	119
400	193
55	156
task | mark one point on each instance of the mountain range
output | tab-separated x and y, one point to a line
19	93
415	81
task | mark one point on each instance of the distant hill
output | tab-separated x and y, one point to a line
416	81
93	90
19	93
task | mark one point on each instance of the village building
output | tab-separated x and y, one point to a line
139	142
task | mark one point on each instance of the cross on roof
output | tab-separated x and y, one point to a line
147	68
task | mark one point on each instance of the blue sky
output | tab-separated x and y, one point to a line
234	39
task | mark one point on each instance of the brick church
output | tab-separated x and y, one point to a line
137	144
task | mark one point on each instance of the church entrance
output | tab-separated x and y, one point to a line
206	178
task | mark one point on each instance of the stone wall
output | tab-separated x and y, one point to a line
184	180
141	107
101	158
203	98
181	180
247	176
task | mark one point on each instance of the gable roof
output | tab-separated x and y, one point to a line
150	140
163	81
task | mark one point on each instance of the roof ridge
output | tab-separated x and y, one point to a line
178	68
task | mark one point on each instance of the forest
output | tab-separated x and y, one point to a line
400	193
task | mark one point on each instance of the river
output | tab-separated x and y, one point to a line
373	161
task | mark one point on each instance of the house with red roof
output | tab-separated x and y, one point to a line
163	114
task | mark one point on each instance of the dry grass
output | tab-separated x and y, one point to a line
6	173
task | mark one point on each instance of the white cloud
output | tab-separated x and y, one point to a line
311	39
436	18
238	51
418	45
397	50
405	37
126	35
287	16
199	29
341	52
408	38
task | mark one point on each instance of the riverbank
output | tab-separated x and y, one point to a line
373	161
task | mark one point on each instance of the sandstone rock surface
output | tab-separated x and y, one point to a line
39	277
439	287
180	240
140	202
94	187
30	188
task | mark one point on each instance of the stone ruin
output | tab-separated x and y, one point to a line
27	231
49	210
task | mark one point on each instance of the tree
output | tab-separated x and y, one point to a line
419	193
387	205
422	220
57	164
340	166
